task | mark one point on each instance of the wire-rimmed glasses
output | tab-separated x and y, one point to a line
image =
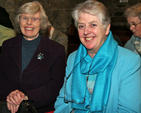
26	18
132	25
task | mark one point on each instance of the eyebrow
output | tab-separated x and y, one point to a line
89	22
93	22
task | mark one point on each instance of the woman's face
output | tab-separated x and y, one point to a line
92	33
135	25
30	25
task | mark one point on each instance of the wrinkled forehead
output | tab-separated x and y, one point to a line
132	19
82	15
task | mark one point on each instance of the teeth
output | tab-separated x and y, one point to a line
89	38
29	28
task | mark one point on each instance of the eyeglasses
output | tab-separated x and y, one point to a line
33	19
132	25
66	99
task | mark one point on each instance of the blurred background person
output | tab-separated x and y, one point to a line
32	66
133	15
6	27
6	33
57	36
95	81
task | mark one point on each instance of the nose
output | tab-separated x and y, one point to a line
29	21
131	27
86	30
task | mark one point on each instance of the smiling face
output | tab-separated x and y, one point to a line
137	29
29	27
92	33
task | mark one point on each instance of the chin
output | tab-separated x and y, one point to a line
136	35
89	48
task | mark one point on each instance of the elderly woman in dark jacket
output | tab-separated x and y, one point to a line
32	66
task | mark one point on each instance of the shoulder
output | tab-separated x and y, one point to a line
59	33
52	46
71	58
72	55
6	29
55	44
127	61
126	54
130	43
45	40
12	41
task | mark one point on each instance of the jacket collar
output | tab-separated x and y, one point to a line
44	44
44	48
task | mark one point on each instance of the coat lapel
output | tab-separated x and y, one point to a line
15	49
43	48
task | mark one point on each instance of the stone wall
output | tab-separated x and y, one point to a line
59	11
117	10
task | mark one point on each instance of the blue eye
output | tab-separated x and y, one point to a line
24	18
80	26
34	19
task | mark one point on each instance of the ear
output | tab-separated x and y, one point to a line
108	29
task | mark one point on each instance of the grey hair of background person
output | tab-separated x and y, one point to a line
133	11
92	7
32	8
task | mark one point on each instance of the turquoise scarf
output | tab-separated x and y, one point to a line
103	65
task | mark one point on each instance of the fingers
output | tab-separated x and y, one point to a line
15	97
19	97
13	108
11	99
25	98
8	105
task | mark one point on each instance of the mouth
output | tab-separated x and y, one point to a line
133	31
29	28
89	38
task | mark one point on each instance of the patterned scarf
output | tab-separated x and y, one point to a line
102	64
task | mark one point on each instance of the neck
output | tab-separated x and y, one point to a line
91	53
29	38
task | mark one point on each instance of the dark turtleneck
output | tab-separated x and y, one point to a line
28	50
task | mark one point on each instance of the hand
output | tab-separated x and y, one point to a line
13	108
14	99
